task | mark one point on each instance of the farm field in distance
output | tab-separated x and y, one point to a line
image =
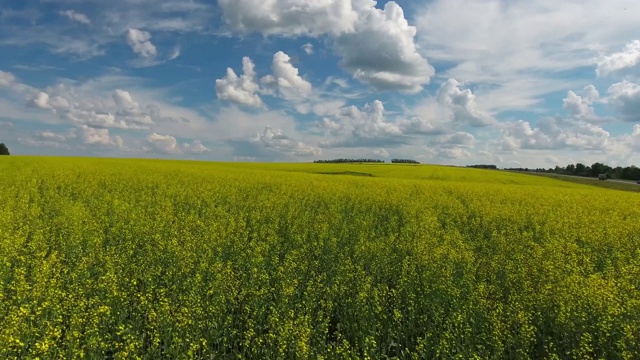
152	259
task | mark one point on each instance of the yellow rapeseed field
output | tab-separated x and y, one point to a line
151	259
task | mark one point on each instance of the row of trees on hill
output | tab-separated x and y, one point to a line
492	167
625	173
403	161
342	161
4	150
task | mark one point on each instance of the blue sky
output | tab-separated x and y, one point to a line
507	82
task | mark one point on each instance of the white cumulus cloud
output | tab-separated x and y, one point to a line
164	143
381	51
286	78
41	101
240	89
463	104
140	42
627	58
580	106
371	121
94	136
366	127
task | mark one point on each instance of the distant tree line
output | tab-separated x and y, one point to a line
4	150
342	161
493	167
624	173
403	161
378	161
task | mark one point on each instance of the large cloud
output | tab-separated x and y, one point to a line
381	51
241	90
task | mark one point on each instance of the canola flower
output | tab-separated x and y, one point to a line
145	259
